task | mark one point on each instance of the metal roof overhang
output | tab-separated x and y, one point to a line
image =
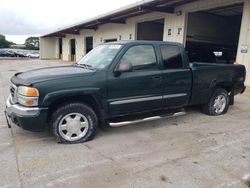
119	16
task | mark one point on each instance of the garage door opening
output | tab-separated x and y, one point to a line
150	30
72	50
88	44
60	48
213	35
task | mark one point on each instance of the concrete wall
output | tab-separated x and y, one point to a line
173	23
244	58
66	47
48	48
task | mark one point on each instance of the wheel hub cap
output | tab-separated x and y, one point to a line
219	104
73	126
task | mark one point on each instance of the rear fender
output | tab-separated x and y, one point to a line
212	87
224	85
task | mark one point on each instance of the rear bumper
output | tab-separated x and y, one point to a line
243	90
28	118
239	88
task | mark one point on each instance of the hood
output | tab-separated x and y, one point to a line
50	73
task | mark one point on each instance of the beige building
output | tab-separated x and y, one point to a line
212	30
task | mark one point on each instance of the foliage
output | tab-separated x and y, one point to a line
32	43
4	43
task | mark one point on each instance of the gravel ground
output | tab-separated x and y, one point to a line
193	150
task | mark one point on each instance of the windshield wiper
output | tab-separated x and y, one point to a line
85	66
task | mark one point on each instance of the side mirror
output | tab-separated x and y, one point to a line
123	67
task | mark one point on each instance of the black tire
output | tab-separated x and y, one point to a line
67	109
209	108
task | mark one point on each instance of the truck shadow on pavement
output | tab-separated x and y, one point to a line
22	136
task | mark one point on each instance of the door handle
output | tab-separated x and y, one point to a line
157	78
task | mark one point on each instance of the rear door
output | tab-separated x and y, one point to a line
176	76
140	89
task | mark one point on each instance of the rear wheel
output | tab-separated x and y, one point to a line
218	104
74	123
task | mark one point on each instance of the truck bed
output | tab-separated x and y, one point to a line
207	75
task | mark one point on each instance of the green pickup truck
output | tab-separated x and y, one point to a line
116	83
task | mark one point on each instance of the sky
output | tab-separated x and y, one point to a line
20	19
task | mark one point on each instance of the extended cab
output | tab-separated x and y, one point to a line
116	81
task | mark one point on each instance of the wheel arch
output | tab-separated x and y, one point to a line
227	85
90	100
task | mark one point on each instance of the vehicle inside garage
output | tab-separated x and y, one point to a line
213	35
150	30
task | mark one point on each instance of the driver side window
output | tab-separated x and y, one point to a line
142	57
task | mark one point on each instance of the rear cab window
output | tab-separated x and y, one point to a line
171	56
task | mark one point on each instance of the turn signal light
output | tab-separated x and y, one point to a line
29	102
28	91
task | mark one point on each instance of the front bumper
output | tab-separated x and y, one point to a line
28	118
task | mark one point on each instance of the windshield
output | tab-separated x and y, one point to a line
100	57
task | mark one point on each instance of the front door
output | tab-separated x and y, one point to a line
140	89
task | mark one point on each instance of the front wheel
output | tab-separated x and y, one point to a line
218	104
74	123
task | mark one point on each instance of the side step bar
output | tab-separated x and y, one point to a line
146	119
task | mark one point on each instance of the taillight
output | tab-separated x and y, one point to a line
239	79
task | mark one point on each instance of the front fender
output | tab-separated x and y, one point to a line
50	97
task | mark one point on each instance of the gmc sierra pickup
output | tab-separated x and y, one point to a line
114	82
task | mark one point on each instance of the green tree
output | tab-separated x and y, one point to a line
32	43
3	42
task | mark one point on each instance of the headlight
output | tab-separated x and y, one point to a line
27	96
